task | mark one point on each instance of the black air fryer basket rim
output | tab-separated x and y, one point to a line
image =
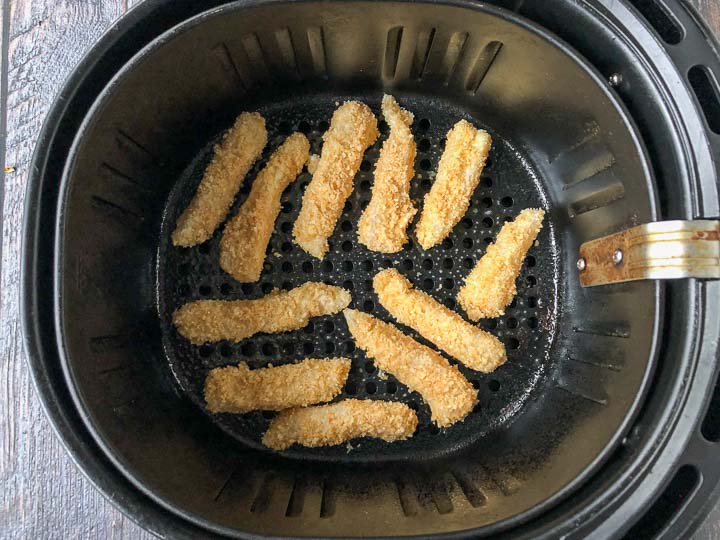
40	351
188	24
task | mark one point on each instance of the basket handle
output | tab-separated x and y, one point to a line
660	250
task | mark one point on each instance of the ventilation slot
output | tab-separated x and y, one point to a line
113	209
264	496
316	43
596	197
482	65
297	499
706	89
679	490
392	51
228	64
452	54
407	496
660	19
422	52
327	504
611	329
128	143
711	423
255	55
287	49
110	172
474	496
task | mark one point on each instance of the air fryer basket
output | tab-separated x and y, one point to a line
579	359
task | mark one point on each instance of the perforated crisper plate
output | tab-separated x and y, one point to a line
508	185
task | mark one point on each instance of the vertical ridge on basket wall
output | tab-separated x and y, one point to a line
482	65
286	52
228	65
255	56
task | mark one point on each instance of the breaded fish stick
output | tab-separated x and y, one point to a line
448	393
240	147
237	389
466	150
246	236
337	423
490	287
352	130
213	320
474	347
382	226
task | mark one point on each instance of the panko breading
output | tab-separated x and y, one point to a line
246	236
448	393
238	389
472	346
352	130
280	311
325	425
490	287
240	147
461	164
382	226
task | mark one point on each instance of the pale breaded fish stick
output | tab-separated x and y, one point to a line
280	311
352	130
238	389
448	393
240	147
246	236
490	287
472	346
466	150
336	423
382	226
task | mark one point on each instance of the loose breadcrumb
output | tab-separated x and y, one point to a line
490	287
246	236
461	164
337	423
214	320
240	147
239	389
352	130
448	393
472	346
312	163
382	226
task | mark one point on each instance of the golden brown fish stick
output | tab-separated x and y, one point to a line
238	389
475	348
246	236
240	147
337	423
382	226
280	311
466	150
490	287
352	130
448	393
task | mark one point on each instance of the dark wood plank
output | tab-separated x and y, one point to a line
43	494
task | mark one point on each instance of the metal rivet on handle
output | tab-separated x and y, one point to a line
617	257
581	264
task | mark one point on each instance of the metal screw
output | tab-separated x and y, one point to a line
615	79
581	264
618	257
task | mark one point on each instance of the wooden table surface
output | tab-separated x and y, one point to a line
43	493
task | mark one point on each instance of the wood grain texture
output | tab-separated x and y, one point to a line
43	493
